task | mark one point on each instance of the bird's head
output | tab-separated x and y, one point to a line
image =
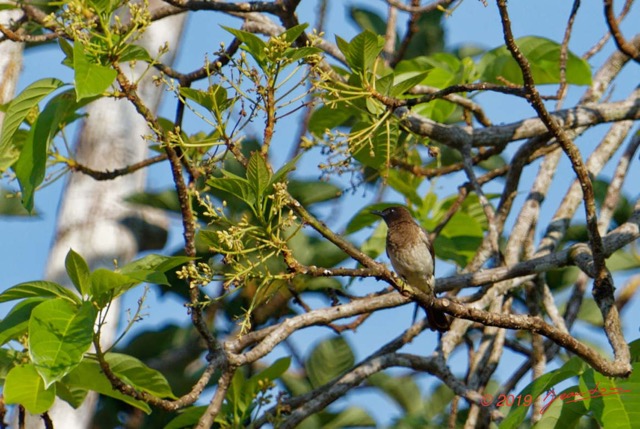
393	214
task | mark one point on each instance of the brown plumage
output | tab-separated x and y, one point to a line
412	257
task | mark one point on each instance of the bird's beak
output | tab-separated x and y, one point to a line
376	212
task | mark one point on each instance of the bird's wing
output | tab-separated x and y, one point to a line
424	236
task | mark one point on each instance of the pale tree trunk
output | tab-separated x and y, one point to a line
93	219
10	60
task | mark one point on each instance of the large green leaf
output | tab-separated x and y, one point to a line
139	375
38	288
91	79
543	56
24	386
328	360
614	402
59	335
17	112
89	376
460	238
572	368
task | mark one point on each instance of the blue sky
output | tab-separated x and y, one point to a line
26	241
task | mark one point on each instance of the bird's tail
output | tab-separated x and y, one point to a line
438	320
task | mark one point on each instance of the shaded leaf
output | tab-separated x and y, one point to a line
139	375
88	375
572	368
329	359
24	386
16	322
188	418
308	193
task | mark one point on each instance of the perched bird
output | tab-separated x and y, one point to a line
412	257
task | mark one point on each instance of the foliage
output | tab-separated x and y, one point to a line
263	257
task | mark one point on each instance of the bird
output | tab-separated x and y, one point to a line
412	256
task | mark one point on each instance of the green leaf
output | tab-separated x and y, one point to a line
16	322
59	335
295	54
328	118
38	288
91	79
349	417
72	395
281	174
139	375
429	38
78	271
10	205
234	185
559	413
362	51
572	368
384	84
17	112
328	360
614	402
294	32
403	390
368	20
24	386
543	56
254	45
272	372
408	188
89	376
258	174
406	82
460	238
188	418
308	193
107	285
31	166
213	99
364	218
622	260
590	312
375	149
152	268
135	53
